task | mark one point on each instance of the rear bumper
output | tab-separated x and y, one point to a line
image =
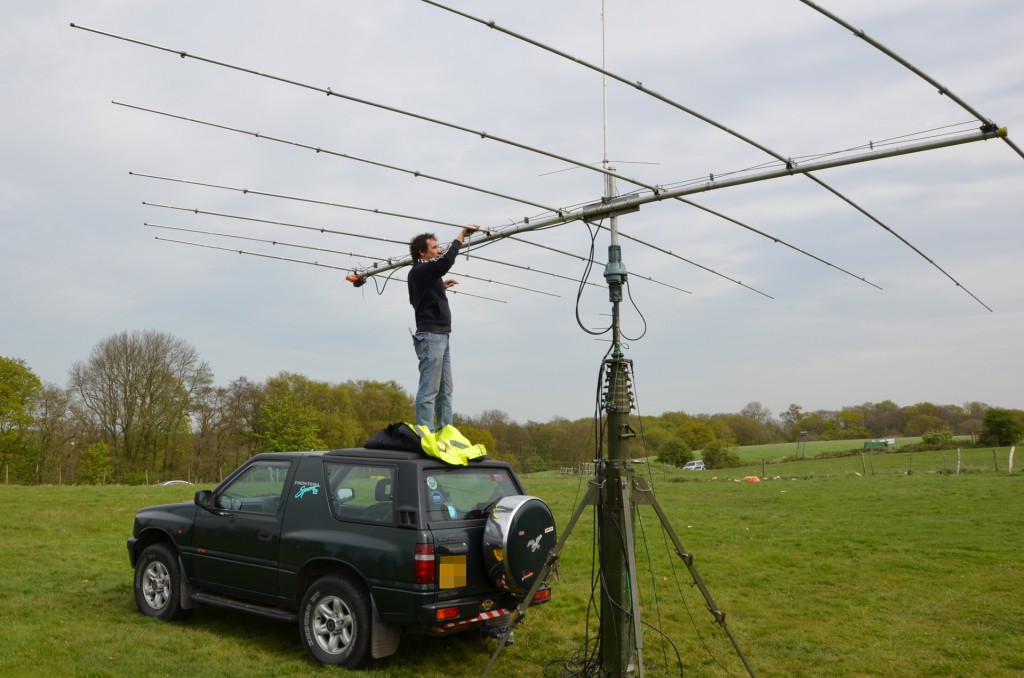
463	614
492	618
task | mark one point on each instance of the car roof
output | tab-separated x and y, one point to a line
364	453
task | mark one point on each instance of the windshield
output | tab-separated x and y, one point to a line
461	493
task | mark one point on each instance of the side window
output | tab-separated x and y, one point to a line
257	490
361	492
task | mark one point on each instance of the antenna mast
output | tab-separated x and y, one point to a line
617	491
621	651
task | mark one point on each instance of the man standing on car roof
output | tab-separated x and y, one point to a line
433	326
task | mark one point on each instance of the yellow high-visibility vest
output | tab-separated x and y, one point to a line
448	445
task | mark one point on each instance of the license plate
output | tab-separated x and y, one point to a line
452	573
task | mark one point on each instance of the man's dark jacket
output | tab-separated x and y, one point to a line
426	292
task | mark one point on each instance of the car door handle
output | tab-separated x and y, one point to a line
266	535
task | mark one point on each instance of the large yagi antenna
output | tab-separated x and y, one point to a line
609	173
624	204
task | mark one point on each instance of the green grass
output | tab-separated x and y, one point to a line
779	451
821	572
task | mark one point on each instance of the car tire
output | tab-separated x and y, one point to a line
158	584
335	622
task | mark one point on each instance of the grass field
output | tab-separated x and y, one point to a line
821	571
780	451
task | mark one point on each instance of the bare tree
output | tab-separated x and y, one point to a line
139	387
757	412
225	426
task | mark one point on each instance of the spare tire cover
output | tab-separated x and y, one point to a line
519	535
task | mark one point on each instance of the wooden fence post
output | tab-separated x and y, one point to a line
1010	463
995	459
958	461
763	472
863	466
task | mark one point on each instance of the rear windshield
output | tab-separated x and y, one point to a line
461	493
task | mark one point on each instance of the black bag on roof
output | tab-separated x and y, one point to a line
395	437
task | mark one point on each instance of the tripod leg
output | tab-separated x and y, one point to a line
687	558
589	499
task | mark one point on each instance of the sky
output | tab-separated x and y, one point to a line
81	258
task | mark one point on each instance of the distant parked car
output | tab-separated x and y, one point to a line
694	466
175	482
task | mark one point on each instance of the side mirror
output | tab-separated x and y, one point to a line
345	494
204	499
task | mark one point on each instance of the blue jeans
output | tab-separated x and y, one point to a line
434	396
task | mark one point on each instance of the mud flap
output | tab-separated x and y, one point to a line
185	595
383	637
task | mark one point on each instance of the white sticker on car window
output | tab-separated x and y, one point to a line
432	482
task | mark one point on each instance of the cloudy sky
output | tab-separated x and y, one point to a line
81	260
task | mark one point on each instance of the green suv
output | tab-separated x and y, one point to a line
355	545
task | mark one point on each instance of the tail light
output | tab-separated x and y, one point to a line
446	613
423	567
542	595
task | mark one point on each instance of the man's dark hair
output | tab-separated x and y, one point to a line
419	244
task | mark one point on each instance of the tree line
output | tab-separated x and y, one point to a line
143	407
